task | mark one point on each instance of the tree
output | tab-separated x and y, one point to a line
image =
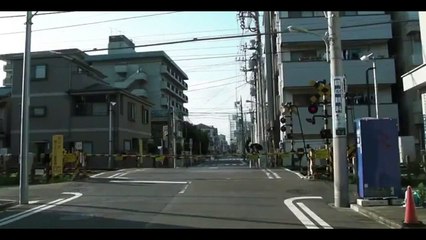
198	137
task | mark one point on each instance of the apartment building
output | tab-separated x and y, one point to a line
302	59
71	98
151	75
407	50
414	86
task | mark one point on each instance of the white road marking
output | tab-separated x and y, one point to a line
298	174
94	176
273	173
299	214
115	175
227	164
29	210
33	202
184	189
213	167
40	208
234	164
314	216
267	174
141	181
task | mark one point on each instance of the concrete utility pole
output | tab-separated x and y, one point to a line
174	137
269	79
111	104
243	150
25	103
260	85
340	165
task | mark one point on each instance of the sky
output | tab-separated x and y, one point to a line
213	67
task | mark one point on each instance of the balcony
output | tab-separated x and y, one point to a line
8	68
364	32
415	78
168	72
299	74
164	101
183	97
185	111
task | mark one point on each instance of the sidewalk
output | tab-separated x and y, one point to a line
392	216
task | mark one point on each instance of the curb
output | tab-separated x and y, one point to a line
376	217
5	204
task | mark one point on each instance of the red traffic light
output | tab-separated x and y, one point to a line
313	108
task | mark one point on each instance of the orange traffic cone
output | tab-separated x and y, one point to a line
410	210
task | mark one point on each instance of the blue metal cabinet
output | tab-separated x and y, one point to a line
379	172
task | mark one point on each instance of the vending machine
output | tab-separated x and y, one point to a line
379	174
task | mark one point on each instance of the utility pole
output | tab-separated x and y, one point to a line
260	84
25	103
174	137
111	104
243	151
340	169
269	80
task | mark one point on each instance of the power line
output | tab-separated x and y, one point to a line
211	87
218	80
38	14
91	23
235	36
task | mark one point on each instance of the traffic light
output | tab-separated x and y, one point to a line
313	108
286	126
283	121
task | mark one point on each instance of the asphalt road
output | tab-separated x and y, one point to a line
216	194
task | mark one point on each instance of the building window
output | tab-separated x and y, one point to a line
88	147
131	114
351	54
39	72
127	145
145	115
100	109
305	55
93	105
38	111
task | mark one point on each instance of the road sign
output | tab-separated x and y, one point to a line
78	145
339	120
57	154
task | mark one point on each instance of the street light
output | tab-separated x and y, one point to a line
367	58
324	38
111	104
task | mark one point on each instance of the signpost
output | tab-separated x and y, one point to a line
57	154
